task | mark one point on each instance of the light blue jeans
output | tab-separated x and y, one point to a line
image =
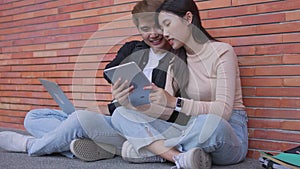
226	141
54	130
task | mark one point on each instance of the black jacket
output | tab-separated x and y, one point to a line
138	51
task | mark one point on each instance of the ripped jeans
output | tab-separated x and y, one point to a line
226	141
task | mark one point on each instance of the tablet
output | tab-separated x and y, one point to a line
135	76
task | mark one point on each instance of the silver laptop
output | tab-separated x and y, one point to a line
59	96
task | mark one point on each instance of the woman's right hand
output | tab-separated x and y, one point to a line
120	92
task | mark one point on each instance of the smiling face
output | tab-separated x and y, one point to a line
175	29
152	34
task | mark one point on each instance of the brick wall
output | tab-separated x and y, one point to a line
70	42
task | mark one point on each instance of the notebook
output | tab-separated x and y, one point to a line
135	76
59	96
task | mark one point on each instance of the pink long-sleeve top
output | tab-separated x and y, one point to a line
214	81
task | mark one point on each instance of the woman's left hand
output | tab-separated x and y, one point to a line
160	96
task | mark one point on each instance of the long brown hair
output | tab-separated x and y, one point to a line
180	8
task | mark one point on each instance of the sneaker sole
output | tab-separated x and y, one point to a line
88	150
203	163
128	156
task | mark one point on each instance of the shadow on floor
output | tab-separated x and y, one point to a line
23	161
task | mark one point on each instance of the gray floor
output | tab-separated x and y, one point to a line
10	160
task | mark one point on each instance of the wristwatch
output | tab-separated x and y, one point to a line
179	104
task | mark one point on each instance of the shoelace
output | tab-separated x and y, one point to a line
177	162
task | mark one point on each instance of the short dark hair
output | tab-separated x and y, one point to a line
143	7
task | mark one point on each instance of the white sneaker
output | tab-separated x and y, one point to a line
15	142
88	150
129	154
195	158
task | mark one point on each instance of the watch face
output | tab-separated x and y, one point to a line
179	102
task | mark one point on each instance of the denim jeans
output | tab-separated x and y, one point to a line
54	130
226	141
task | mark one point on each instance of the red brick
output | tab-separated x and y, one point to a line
121	1
58	74
247	91
245	50
71	8
96	4
44	53
217	23
213	4
275	135
18	107
107	18
5	56
290	102
262	102
277	70
12	120
68	52
279	28
293	15
117	25
286	5
24	3
291	81
33	68
10	74
85	13
252	153
33	47
294	37
293	114
280	92
115	9
233	11
35	14
291	59
291	125
13	113
278	49
22	55
96	50
271	145
259	19
247	71
256	40
84	28
74	22
58	31
32	75
264	123
106	89
5	6
57	45
6	19
11	125
260	60
261	82
247	2
94	96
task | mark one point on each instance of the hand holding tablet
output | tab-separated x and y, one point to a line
135	76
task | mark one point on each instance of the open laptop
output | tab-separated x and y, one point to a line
59	96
